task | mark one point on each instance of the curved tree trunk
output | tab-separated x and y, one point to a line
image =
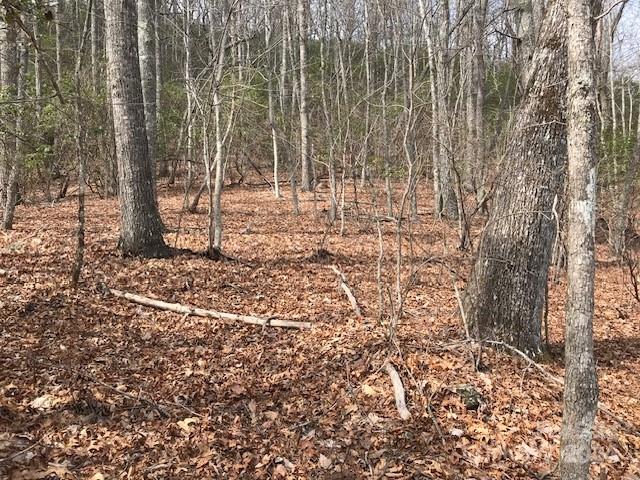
141	227
506	292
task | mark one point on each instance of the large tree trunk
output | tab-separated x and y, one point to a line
581	385
147	56
141	229
506	292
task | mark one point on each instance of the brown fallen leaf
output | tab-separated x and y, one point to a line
324	462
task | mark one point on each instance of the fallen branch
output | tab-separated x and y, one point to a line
347	290
398	391
200	312
139	398
21	452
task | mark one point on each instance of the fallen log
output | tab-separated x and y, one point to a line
398	392
200	312
347	290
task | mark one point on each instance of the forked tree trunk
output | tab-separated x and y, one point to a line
581	384
506	292
141	227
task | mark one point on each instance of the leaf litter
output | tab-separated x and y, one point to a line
94	387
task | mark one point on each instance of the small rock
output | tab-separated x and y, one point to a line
469	396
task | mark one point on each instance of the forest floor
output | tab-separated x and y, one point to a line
92	386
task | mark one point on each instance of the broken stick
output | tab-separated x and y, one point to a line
347	290
398	391
200	312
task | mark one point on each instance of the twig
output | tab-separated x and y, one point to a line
17	454
475	361
398	391
347	290
159	408
610	9
558	381
199	312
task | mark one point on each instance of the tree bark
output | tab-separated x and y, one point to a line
163	164
9	79
141	227
447	204
305	159
96	17
506	292
581	385
14	64
147	56
59	15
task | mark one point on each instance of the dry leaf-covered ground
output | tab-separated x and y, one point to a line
94	387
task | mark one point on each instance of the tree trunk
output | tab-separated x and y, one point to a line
506	292
215	244
79	142
9	79
96	16
447	203
59	15
141	227
189	88
304	118
581	385
147	56
13	70
268	29
478	91
163	164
